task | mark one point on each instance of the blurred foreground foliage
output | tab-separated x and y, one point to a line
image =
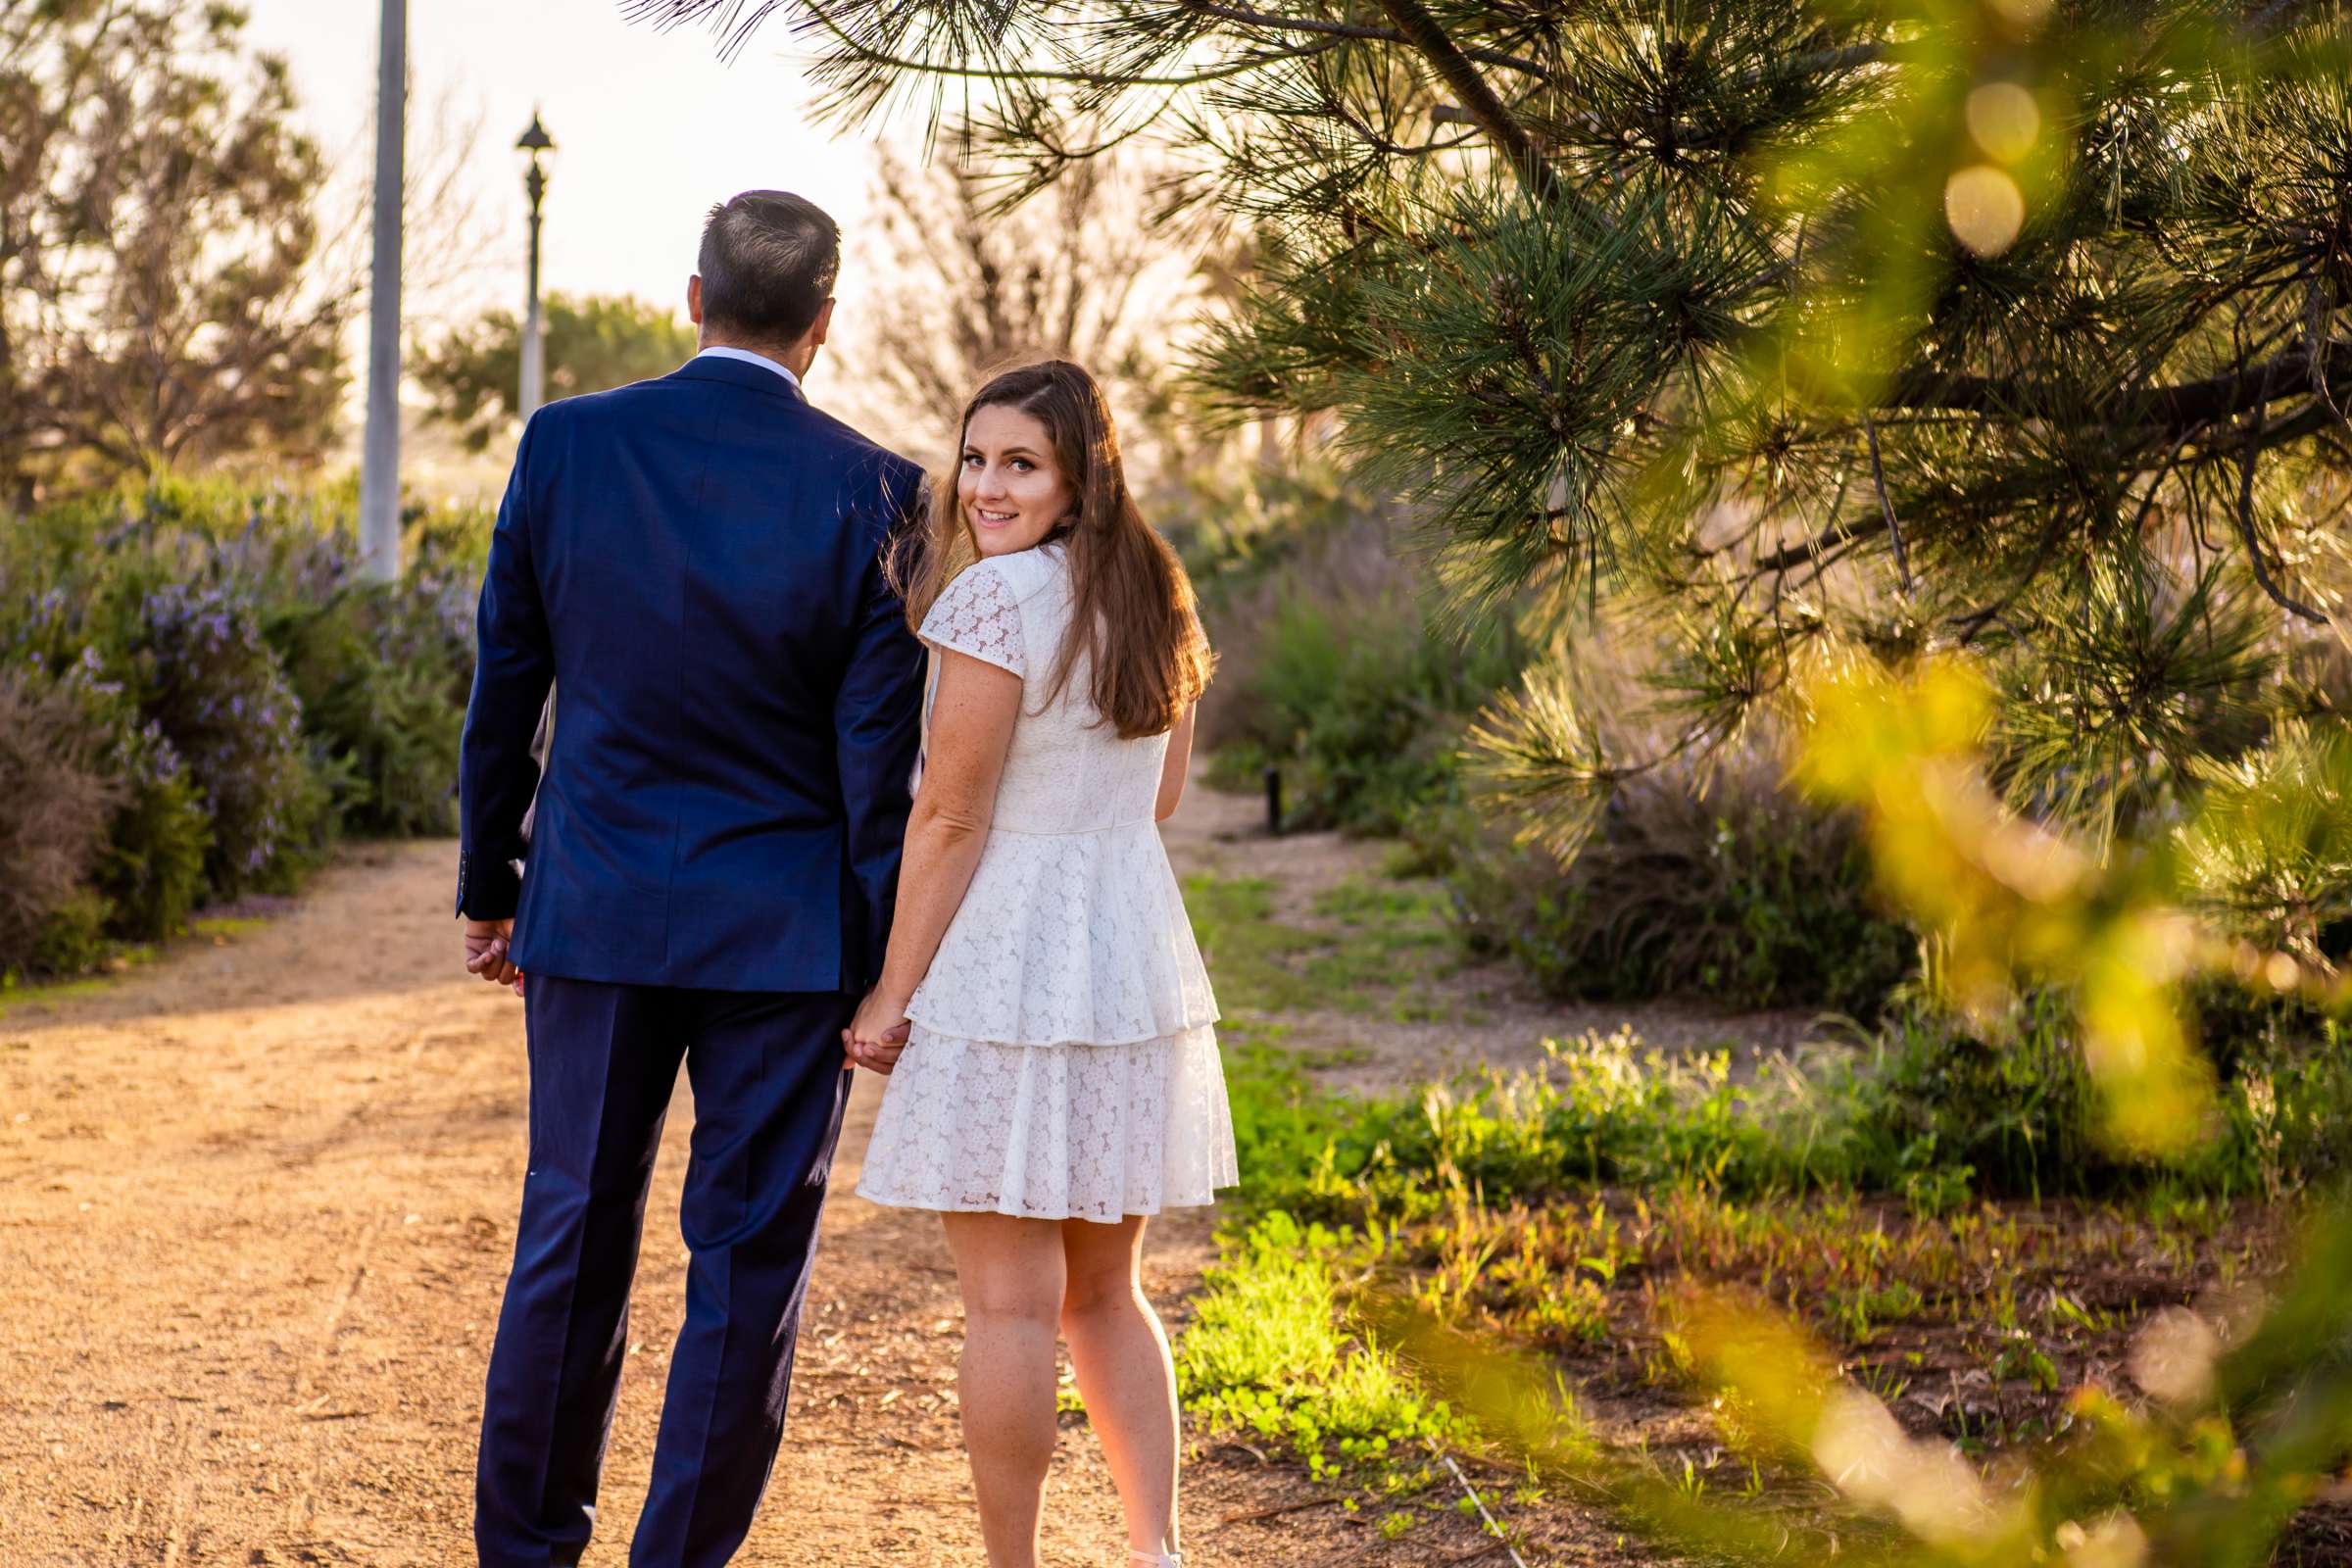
207	696
1777	1244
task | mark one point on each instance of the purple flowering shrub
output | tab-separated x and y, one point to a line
152	874
382	671
150	869
242	694
213	685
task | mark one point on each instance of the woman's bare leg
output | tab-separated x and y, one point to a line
1124	1372
1011	1271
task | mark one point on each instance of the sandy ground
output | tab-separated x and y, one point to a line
256	1211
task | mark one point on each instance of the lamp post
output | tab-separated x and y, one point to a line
379	466
537	142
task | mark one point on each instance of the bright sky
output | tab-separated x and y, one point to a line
649	128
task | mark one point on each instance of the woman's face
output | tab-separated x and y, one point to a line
1012	492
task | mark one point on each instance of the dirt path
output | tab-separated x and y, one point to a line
256	1211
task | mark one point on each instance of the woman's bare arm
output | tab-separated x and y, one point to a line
1178	766
971	729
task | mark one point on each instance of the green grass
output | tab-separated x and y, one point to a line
1384	948
121	959
16	991
1393	942
1246	948
228	929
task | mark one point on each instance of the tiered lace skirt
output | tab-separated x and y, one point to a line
1062	1062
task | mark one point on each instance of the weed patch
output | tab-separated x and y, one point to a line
1268	1356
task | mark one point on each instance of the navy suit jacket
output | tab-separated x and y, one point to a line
695	563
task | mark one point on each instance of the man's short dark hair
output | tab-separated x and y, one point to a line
768	263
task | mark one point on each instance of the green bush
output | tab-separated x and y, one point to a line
1361	703
1602	1110
1300	1146
244	694
381	672
203	671
1928	1111
2018	1113
1331	665
1725	886
152	873
74	941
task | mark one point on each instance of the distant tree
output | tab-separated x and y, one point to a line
159	302
973	284
476	374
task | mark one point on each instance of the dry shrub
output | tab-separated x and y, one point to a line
55	804
1705	876
1351	560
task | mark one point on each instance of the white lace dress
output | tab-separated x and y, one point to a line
1061	1062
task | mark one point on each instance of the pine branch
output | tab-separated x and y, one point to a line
1421	31
865	54
1349	29
1822	62
1829	61
1839	532
1895	532
2181	407
2244	513
1972	623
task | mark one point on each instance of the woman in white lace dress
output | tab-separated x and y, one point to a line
1058	1080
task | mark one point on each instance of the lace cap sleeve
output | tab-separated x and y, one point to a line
978	615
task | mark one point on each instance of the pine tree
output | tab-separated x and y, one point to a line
1763	326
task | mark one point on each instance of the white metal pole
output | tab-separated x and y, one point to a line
534	331
379	472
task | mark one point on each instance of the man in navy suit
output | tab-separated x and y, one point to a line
696	565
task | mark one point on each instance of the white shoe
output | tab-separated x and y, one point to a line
1154	1559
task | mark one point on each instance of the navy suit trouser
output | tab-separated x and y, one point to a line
769	1092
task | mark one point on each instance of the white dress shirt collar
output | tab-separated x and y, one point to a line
724	352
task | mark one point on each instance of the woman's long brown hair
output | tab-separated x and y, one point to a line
1131	603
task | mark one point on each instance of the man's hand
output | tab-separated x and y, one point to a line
486	944
876	1036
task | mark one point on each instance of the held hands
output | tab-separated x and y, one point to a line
876	1036
486	944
